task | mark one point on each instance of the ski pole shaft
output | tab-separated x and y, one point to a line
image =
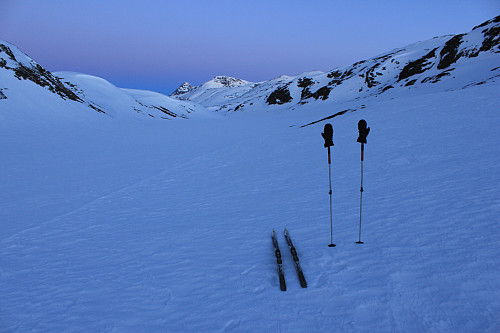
330	192
361	192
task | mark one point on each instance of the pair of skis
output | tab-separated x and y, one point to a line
279	261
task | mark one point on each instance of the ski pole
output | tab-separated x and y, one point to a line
328	136
363	132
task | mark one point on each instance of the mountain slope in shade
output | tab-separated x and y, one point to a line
29	90
119	102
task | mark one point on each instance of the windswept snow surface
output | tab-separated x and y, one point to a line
151	226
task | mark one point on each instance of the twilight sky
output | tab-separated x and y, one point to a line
158	44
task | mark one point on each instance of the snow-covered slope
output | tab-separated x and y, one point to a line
166	226
27	90
120	102
448	62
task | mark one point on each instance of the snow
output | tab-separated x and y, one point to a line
120	102
216	92
111	225
124	221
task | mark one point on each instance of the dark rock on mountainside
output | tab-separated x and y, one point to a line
304	82
418	66
493	20
437	78
279	96
305	94
184	88
449	54
44	78
8	51
322	93
37	74
492	38
370	76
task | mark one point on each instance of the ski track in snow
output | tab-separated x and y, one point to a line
186	247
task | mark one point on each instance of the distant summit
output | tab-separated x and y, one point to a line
184	88
219	90
215	83
224	81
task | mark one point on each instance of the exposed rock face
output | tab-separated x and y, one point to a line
228	82
449	53
418	66
29	70
279	96
184	88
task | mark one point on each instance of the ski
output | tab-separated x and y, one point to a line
279	261
300	274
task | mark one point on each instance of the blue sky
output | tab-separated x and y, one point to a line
157	45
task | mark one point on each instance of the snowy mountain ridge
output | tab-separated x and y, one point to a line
441	63
461	60
23	81
216	91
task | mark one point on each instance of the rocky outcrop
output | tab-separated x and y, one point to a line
183	89
34	72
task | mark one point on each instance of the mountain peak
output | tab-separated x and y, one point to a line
183	88
225	81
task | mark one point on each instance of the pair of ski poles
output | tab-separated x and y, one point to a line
328	136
